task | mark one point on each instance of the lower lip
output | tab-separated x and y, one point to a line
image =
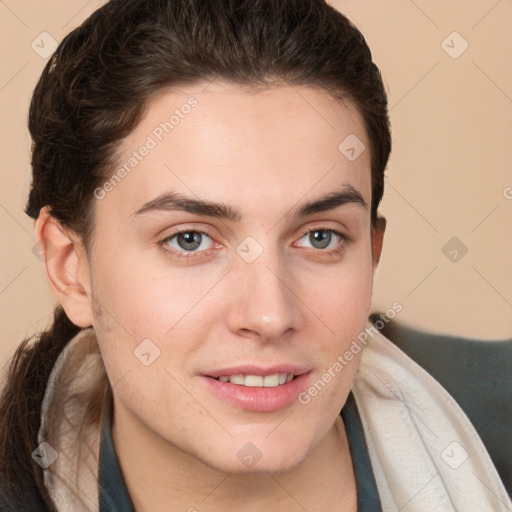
258	399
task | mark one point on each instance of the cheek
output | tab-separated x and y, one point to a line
342	303
137	302
342	294
343	308
139	298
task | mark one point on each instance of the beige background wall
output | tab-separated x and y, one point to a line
450	174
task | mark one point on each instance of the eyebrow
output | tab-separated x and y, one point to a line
174	201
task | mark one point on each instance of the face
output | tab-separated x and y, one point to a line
250	284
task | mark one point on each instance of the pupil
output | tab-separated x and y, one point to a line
324	238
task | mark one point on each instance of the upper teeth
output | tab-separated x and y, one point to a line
257	381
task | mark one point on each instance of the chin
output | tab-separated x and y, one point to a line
248	457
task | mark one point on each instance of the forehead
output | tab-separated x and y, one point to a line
242	146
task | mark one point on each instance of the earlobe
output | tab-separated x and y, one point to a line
378	239
66	267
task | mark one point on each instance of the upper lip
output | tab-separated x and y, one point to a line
250	369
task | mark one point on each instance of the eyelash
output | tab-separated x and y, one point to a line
345	239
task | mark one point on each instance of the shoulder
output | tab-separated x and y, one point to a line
466	367
477	375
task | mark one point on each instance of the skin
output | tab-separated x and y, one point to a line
264	153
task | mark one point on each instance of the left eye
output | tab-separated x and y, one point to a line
189	240
322	237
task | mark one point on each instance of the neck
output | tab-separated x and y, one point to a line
177	480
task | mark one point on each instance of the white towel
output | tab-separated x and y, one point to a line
425	453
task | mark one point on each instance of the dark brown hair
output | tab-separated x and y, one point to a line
95	89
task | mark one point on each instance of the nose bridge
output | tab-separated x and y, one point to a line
264	302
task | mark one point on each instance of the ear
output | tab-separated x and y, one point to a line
66	267
378	239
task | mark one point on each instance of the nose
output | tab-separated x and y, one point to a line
265	303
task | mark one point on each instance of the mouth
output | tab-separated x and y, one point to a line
253	389
258	381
